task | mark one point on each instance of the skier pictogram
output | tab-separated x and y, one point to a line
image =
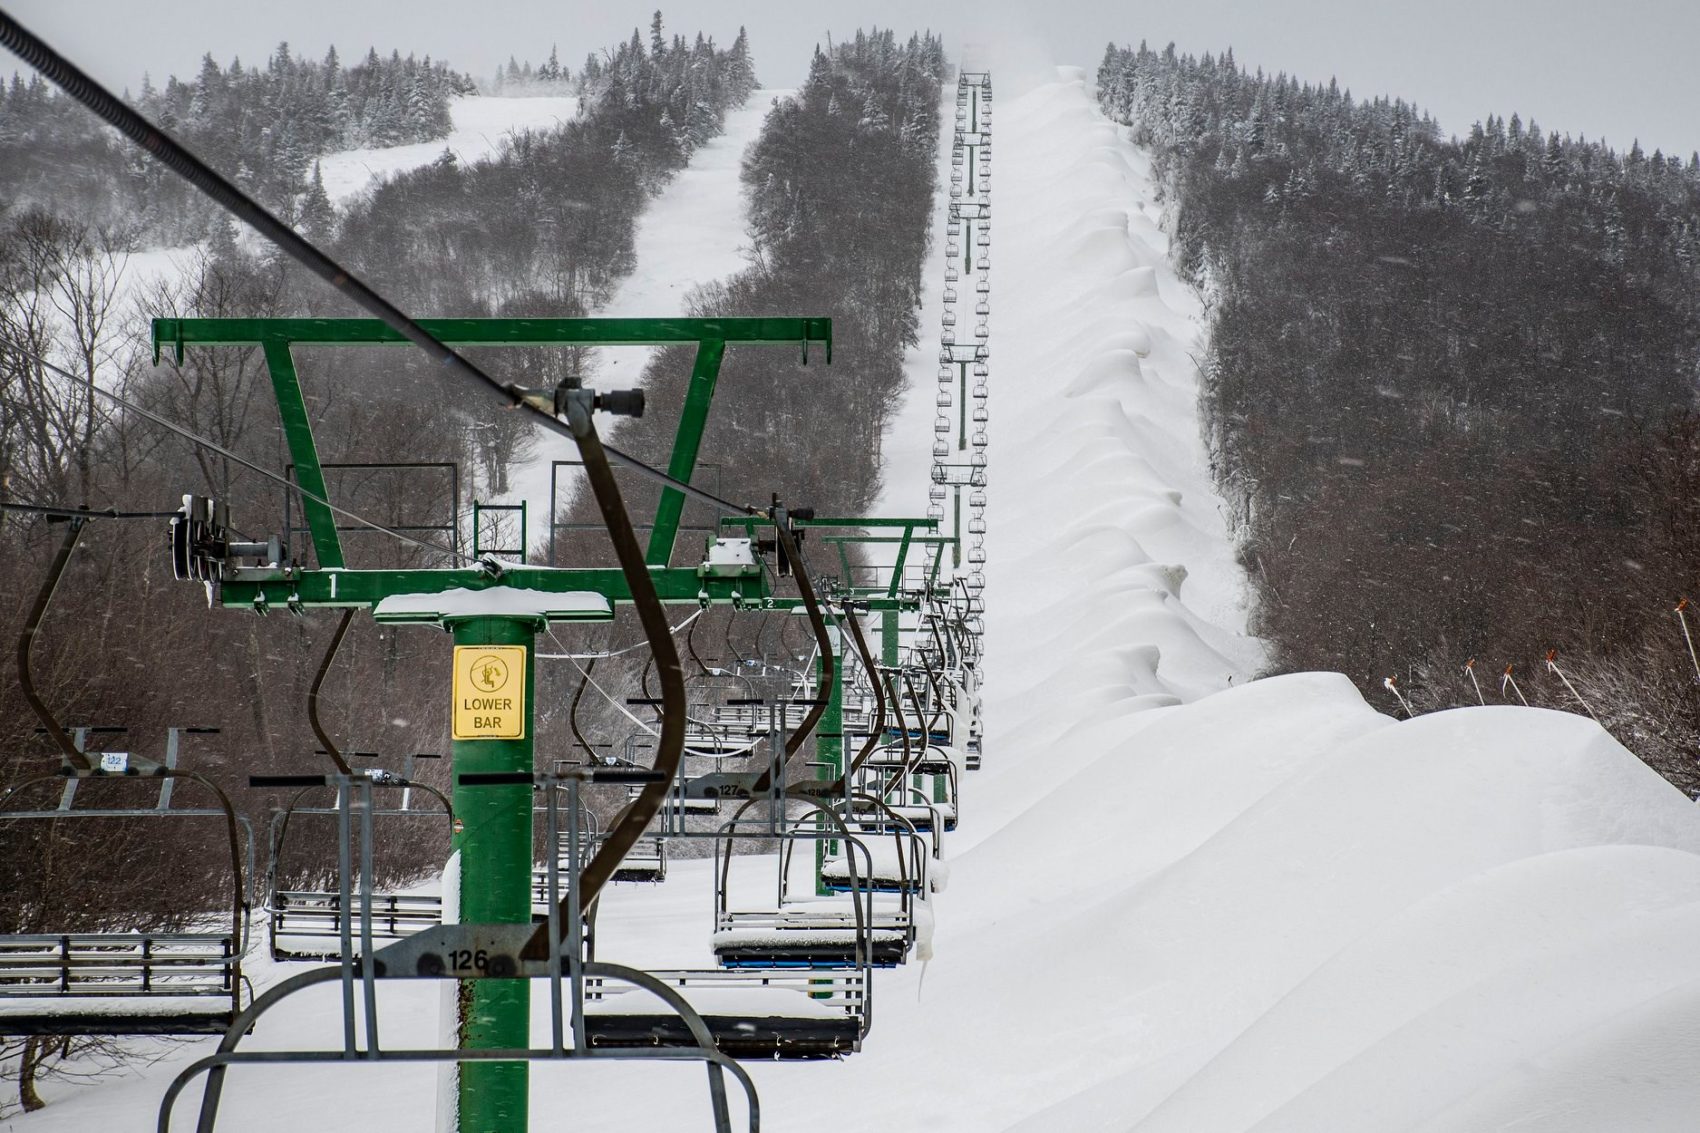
489	673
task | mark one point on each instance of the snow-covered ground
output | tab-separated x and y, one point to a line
1179	900
481	124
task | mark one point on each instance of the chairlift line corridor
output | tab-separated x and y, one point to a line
848	767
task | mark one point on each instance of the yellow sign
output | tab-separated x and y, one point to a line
489	692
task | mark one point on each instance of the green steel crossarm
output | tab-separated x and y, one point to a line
753	521
874	600
364	588
929	540
179	333
874	521
909	525
277	336
902	557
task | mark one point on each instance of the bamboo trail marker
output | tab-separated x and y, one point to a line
1470	668
1552	663
1508	680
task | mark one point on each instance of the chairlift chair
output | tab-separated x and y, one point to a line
751	1013
850	930
134	982
307	923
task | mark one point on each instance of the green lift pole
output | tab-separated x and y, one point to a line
962	407
829	743
494	849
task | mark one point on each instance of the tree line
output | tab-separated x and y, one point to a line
1450	390
262	126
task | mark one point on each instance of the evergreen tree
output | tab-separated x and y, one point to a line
740	69
317	214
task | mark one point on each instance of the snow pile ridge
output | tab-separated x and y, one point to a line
1098	481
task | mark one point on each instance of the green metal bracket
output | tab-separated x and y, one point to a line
303	453
692	421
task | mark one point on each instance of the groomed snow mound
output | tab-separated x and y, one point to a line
1431	925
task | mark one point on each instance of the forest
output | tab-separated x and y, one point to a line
543	228
260	125
1450	390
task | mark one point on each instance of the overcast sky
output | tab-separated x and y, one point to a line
1621	69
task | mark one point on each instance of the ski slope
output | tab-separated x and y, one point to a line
692	234
481	125
1180	899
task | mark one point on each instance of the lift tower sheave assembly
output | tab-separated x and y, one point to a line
493	609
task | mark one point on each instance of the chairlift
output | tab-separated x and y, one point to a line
848	931
128	982
900	865
106	982
308	923
751	1013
